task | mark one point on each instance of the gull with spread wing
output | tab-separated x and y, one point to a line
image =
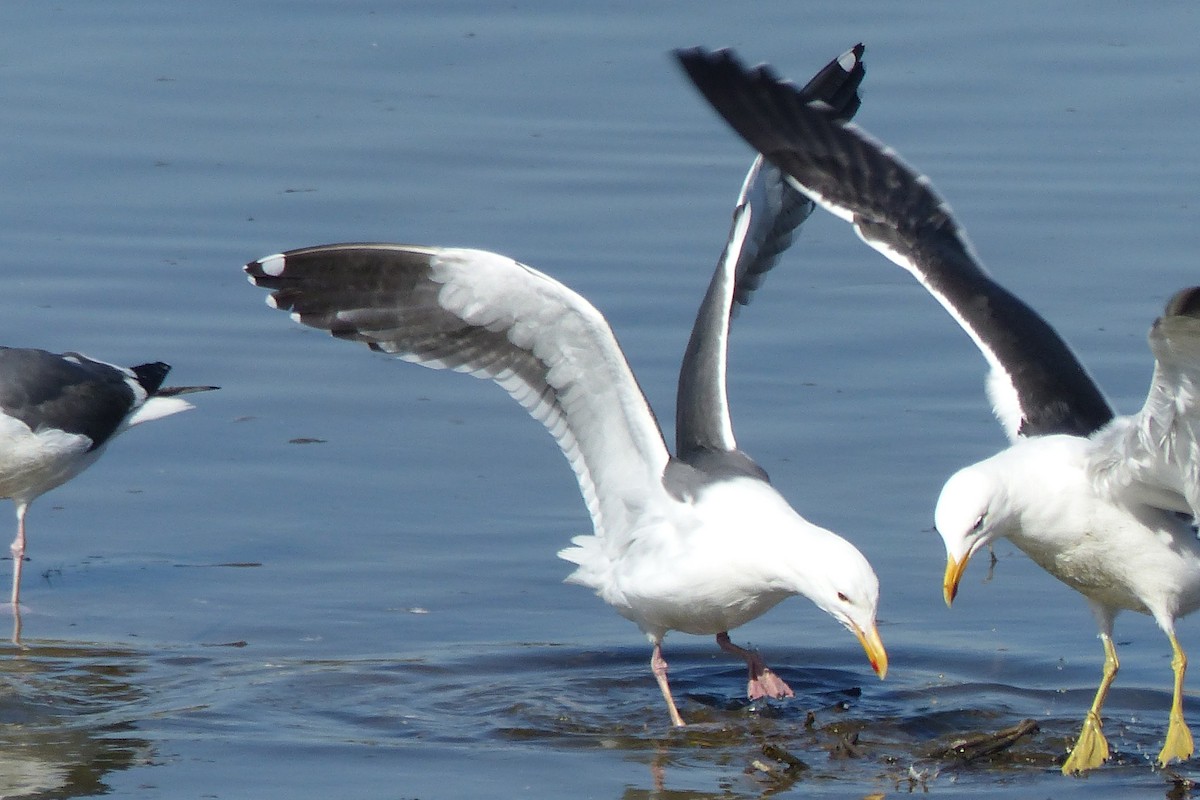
699	542
1100	502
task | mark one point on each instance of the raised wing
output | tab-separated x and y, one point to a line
1037	386
1154	456
487	315
768	212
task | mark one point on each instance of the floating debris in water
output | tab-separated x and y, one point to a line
846	747
1181	787
981	745
779	754
781	775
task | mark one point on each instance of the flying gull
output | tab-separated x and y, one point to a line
1100	502
58	412
699	543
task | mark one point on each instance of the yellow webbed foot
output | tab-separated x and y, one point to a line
1179	742
1090	750
1179	738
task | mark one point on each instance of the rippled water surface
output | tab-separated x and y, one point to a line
336	577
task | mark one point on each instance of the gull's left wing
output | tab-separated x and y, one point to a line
768	213
1037	385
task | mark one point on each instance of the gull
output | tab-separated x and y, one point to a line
58	413
1104	503
699	542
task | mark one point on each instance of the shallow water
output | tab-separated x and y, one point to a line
336	577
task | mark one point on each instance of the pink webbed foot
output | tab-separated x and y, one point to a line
763	681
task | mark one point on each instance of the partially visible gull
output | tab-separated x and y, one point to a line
699	543
58	412
1100	502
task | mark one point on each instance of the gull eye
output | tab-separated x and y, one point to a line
841	596
978	523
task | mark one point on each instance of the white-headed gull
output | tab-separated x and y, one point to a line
699	543
58	412
1100	502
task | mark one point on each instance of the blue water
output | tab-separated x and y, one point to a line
217	610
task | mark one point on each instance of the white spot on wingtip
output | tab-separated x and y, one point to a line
271	302
272	265
847	60
295	315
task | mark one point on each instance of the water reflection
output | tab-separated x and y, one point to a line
64	718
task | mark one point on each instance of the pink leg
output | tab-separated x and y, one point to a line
763	682
17	548
658	665
18	555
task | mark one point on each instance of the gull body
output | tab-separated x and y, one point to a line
1103	503
58	414
698	542
1041	495
673	548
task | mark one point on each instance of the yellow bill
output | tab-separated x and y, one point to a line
954	572
871	642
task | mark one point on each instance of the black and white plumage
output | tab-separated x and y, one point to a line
699	544
1096	500
768	212
58	413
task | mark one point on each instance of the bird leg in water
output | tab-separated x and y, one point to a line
658	665
1179	737
18	555
763	682
1091	749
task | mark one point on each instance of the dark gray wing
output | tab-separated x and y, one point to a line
68	392
768	212
487	315
1037	385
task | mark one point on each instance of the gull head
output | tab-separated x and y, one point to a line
969	515
848	590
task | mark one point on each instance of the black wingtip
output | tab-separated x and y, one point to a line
1184	303
700	63
264	269
704	66
837	84
150	376
768	111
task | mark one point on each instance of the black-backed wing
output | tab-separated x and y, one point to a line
768	213
1037	386
487	315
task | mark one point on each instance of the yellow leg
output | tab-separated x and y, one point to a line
1179	738
1091	748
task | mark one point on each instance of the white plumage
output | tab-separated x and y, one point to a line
672	548
700	542
1104	504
